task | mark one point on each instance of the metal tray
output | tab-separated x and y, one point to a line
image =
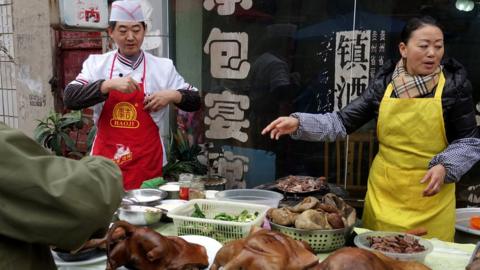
463	219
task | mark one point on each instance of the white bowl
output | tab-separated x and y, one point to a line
173	190
361	241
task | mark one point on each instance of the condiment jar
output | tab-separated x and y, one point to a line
184	180
197	189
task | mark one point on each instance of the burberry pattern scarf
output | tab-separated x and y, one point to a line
411	86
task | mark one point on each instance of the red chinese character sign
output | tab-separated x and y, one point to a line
83	14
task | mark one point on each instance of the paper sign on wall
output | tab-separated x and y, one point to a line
83	14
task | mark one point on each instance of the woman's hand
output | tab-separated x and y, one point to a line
280	126
437	177
125	85
160	99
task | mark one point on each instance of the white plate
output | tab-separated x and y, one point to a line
463	219
60	262
210	244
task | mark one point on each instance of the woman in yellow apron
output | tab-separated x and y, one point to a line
426	131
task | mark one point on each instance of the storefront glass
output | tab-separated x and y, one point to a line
256	60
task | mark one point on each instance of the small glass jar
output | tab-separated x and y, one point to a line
184	181
197	189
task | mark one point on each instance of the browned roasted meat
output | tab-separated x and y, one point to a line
312	220
264	249
282	216
300	184
145	249
360	259
396	243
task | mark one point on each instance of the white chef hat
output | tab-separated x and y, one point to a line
126	11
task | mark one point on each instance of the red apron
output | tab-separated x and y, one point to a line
127	134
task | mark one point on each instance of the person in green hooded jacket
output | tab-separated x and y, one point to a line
47	200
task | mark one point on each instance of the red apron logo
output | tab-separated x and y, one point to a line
124	116
123	154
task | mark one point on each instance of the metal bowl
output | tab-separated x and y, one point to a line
139	214
144	196
214	182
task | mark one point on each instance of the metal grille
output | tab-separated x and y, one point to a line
8	96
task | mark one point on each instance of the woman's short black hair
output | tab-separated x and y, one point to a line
416	23
112	24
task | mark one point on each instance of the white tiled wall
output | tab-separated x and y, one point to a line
8	97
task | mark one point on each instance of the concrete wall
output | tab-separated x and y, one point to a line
34	61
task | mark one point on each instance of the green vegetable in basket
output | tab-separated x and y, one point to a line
198	212
226	217
247	217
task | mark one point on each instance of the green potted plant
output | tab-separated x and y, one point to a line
182	157
54	133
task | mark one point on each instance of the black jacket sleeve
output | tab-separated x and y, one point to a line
78	96
190	100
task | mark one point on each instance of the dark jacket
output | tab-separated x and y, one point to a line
47	200
457	102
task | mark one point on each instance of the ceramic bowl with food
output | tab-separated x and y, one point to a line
397	245
139	214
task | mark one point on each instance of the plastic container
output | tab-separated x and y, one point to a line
222	231
255	196
319	240
361	241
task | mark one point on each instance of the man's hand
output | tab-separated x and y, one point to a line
280	126
125	85
160	99
437	177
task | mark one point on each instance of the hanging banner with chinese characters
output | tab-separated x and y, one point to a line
352	62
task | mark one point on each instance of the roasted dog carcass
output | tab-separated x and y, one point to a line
145	249
264	249
360	259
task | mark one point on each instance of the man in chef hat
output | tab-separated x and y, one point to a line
130	91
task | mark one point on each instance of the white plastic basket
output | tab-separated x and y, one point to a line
222	231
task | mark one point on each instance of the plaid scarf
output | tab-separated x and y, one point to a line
408	86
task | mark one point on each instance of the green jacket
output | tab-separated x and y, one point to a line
46	200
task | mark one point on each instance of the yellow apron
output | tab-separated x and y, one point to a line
410	132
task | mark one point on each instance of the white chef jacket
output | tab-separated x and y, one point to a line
160	75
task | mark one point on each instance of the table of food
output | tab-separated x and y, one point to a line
232	233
